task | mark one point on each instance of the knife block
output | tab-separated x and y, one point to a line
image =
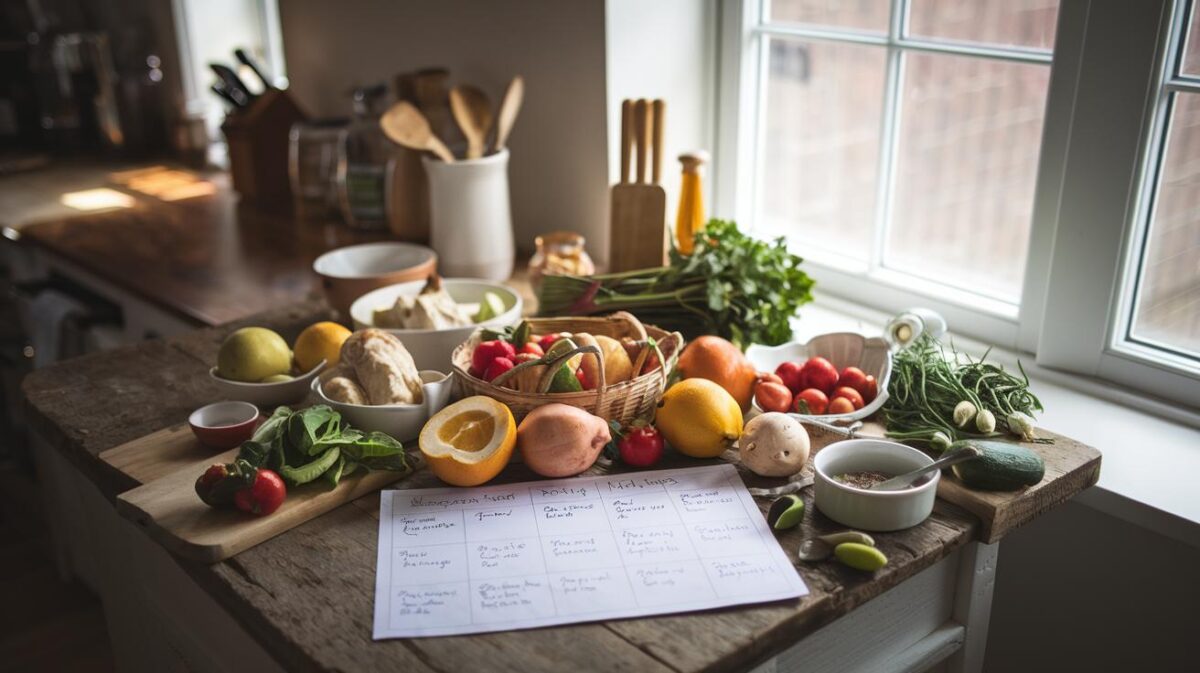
257	137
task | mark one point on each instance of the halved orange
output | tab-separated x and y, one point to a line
470	441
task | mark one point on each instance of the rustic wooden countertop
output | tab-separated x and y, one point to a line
307	595
206	259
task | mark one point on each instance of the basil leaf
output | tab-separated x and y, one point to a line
303	474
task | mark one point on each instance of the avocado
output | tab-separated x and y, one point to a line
1002	467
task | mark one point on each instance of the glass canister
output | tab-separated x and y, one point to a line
362	164
559	253
313	149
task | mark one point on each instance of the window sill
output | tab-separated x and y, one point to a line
1145	476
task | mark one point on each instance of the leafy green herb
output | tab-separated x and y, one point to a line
741	288
935	396
307	444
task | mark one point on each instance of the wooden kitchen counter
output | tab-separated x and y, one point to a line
306	597
205	260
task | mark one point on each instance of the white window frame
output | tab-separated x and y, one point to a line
741	91
1091	203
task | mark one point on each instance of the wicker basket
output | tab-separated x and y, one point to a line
623	402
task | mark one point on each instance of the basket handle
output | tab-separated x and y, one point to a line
553	365
639	330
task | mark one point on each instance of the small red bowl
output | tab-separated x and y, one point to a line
224	425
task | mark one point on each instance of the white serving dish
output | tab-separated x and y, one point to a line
401	421
431	349
267	394
843	349
872	510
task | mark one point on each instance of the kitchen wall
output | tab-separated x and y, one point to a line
558	170
1079	590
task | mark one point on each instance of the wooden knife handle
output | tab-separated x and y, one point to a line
657	118
626	138
641	136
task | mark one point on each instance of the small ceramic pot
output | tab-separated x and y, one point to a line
224	425
470	218
872	510
268	395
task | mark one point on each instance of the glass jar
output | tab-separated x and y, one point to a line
559	253
312	166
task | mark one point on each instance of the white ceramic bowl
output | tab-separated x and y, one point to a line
432	348
267	394
350	272
843	349
401	421
872	510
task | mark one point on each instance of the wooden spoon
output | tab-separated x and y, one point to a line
510	105
404	125
473	113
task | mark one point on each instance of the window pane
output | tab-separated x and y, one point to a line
1024	23
1191	52
1168	302
970	129
821	143
858	14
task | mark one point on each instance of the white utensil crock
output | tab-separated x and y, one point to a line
470	218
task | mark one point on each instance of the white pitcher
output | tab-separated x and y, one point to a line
470	218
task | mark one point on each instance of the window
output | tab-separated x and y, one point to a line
1029	168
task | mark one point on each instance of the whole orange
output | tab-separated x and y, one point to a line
719	361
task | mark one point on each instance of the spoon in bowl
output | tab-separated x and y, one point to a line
905	480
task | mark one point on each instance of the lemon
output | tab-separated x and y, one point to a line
320	341
699	418
470	441
251	354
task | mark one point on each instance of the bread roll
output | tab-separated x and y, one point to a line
383	367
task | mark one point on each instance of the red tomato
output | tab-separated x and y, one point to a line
814	401
262	497
851	394
641	447
789	375
773	396
487	351
870	389
768	377
498	367
841	405
852	377
546	341
819	373
582	378
532	348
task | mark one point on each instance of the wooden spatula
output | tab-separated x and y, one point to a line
404	125
473	113
510	105
638	231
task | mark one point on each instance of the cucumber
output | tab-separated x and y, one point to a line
1003	466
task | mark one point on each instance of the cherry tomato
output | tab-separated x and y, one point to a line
870	389
773	396
819	373
789	375
851	394
810	401
262	497
840	405
532	348
546	341
498	367
487	351
641	446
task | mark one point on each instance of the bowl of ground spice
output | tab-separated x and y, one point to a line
846	471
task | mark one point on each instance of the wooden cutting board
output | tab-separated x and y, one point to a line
638	215
1070	468
168	462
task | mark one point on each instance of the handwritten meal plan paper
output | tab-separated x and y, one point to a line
496	558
